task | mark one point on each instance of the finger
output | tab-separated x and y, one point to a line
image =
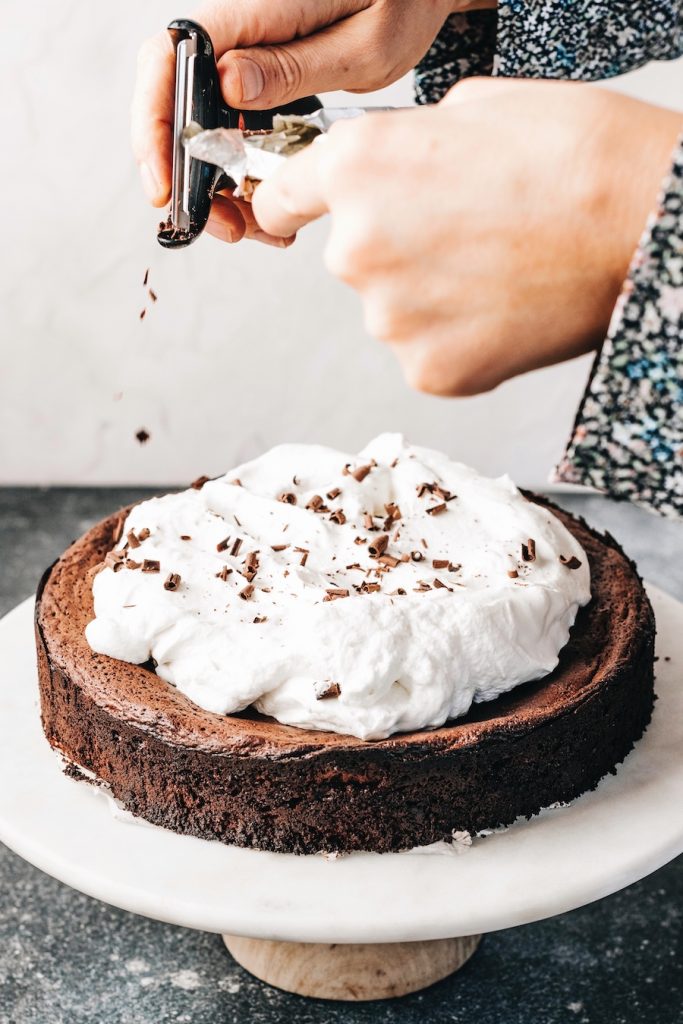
152	116
293	196
226	221
269	76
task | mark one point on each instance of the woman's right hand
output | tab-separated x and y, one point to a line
271	53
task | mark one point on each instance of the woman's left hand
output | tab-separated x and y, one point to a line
488	235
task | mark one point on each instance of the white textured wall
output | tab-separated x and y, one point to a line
246	347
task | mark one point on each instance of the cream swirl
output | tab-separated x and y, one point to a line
364	595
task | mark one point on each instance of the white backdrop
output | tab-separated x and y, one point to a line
246	347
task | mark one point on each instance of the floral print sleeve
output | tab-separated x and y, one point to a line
628	435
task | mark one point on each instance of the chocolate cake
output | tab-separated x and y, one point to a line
251	781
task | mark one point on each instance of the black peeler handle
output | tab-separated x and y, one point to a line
199	99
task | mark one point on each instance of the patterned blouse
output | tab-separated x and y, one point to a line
628	435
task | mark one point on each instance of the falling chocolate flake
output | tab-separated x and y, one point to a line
416	556
436	510
287	497
151	565
144	533
378	546
145	278
315	502
529	550
394	464
132	539
153	295
513	574
333	593
326	689
570	563
338	516
197	484
279	547
172	581
142	435
185	536
223	573
234	550
334	493
143	314
440	563
131	564
223	544
246	593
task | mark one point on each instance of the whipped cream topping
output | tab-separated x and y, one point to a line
366	595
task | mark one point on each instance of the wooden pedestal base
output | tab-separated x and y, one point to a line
351	972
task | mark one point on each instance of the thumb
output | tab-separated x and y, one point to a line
262	77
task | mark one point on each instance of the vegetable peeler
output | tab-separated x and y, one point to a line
198	101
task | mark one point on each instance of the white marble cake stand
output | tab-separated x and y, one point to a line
313	918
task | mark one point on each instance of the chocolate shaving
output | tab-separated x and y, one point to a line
234	550
153	295
142	435
287	497
422	586
132	540
338	517
359	540
416	556
325	690
223	573
333	593
436	510
378	546
185	536
454	568
144	533
439	585
223	544
130	564
236	482
197	484
398	593
143	313
570	563
389	561
260	618
334	493
394	464
369	588
513	574
442	493
145	278
279	547
151	565
246	593
423	489
361	472
251	561
114	559
529	550
368	522
304	552
315	503
393	511
172	581
440	563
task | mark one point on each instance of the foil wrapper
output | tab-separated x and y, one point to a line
247	158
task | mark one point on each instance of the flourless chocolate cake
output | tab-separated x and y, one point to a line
251	781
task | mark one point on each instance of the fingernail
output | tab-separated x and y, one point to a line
149	182
251	79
